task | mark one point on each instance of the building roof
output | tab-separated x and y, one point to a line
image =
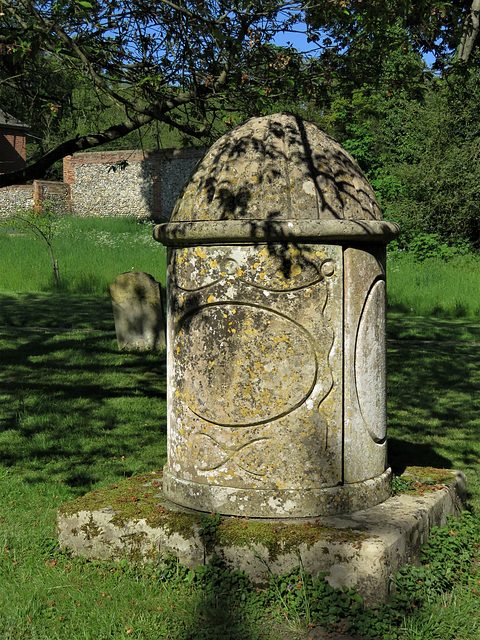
6	120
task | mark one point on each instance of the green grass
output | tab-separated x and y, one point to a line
423	328
57	309
435	287
71	403
91	253
76	414
434	408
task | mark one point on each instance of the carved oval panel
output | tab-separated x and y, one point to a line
370	363
240	365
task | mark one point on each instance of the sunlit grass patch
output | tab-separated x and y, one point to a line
433	287
91	253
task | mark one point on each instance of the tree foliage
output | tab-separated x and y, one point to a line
430	161
190	64
360	35
183	64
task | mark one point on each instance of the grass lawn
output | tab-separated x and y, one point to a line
77	414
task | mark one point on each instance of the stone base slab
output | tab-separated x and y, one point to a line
365	548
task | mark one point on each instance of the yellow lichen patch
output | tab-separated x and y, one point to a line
210	299
239	273
200	253
247	390
295	270
294	251
213	264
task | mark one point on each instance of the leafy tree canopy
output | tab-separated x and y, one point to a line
90	72
183	64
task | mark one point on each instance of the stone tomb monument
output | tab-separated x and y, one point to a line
276	328
276	378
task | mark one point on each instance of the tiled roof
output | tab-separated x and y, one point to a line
6	120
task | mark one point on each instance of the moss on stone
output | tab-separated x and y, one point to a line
132	499
280	537
90	529
186	524
137	498
422	479
429	475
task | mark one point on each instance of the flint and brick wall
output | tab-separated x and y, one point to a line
13	199
26	196
144	184
56	195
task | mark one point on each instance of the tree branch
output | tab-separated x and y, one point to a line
37	169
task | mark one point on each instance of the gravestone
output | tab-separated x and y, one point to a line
276	328
138	311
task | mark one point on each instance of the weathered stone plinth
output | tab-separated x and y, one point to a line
365	549
276	329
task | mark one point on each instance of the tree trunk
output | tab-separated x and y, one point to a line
54	262
471	28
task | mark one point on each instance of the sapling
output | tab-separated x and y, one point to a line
42	221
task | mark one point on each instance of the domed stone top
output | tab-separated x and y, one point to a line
277	167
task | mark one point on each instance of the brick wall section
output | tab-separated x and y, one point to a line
22	197
54	194
12	149
147	186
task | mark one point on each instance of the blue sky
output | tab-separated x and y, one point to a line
299	41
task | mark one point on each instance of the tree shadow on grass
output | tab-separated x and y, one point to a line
434	405
404	453
56	310
72	406
404	325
